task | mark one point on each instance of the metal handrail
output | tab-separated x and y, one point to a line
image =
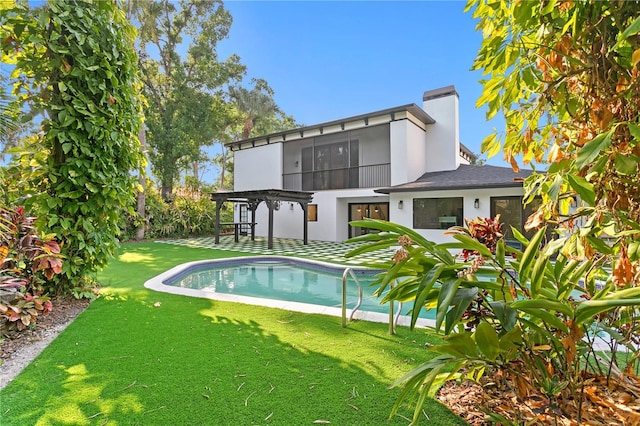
393	319
397	317
345	275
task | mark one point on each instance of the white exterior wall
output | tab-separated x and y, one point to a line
398	146
333	214
404	216
408	151
258	168
443	140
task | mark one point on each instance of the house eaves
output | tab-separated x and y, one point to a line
410	112
467	154
464	177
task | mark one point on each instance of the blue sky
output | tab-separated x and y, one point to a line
328	59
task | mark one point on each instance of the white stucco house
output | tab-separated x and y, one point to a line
403	164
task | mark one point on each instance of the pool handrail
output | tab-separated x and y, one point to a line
393	318
345	275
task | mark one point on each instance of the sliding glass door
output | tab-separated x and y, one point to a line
361	211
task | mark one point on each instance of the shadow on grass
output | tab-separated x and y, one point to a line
154	358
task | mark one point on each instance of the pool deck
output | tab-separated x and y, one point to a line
322	251
325	251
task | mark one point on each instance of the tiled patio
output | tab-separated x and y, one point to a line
319	250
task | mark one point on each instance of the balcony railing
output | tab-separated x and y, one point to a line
373	176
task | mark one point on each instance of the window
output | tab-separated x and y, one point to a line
361	211
514	214
312	212
339	160
437	213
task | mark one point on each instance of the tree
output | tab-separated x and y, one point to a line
183	84
566	77
255	104
76	69
8	124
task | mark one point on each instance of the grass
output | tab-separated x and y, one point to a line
142	357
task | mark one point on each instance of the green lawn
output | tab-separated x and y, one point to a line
201	362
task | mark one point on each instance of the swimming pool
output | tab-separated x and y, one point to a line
278	281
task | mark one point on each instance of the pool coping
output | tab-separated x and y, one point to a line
157	283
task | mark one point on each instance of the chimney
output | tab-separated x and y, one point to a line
443	140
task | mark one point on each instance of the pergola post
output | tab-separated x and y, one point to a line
253	206
305	223
270	235
219	203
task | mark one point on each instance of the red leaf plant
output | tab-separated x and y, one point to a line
27	262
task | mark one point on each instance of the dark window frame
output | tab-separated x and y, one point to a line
443	217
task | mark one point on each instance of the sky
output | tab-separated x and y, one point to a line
328	60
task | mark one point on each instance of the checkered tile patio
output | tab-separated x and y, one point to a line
319	250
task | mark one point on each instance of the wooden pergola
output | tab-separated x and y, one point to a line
271	197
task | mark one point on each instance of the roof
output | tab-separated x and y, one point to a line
464	177
263	195
439	93
362	120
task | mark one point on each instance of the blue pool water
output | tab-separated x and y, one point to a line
285	279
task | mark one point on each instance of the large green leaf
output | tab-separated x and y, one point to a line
504	313
367	248
538	275
626	293
458	344
530	254
447	293
487	341
423	293
540	316
461	301
632	29
511	340
590	308
626	165
470	244
583	188
592	149
543	304
394	228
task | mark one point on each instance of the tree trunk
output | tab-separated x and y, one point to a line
223	166
248	126
195	167
166	190
142	194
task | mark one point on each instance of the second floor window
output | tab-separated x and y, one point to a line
330	166
358	158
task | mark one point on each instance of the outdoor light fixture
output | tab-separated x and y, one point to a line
297	162
476	203
290	206
400	204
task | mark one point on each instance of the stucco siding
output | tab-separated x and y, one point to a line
258	168
404	216
443	143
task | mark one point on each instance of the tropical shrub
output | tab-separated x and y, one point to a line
28	262
75	69
186	216
533	319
